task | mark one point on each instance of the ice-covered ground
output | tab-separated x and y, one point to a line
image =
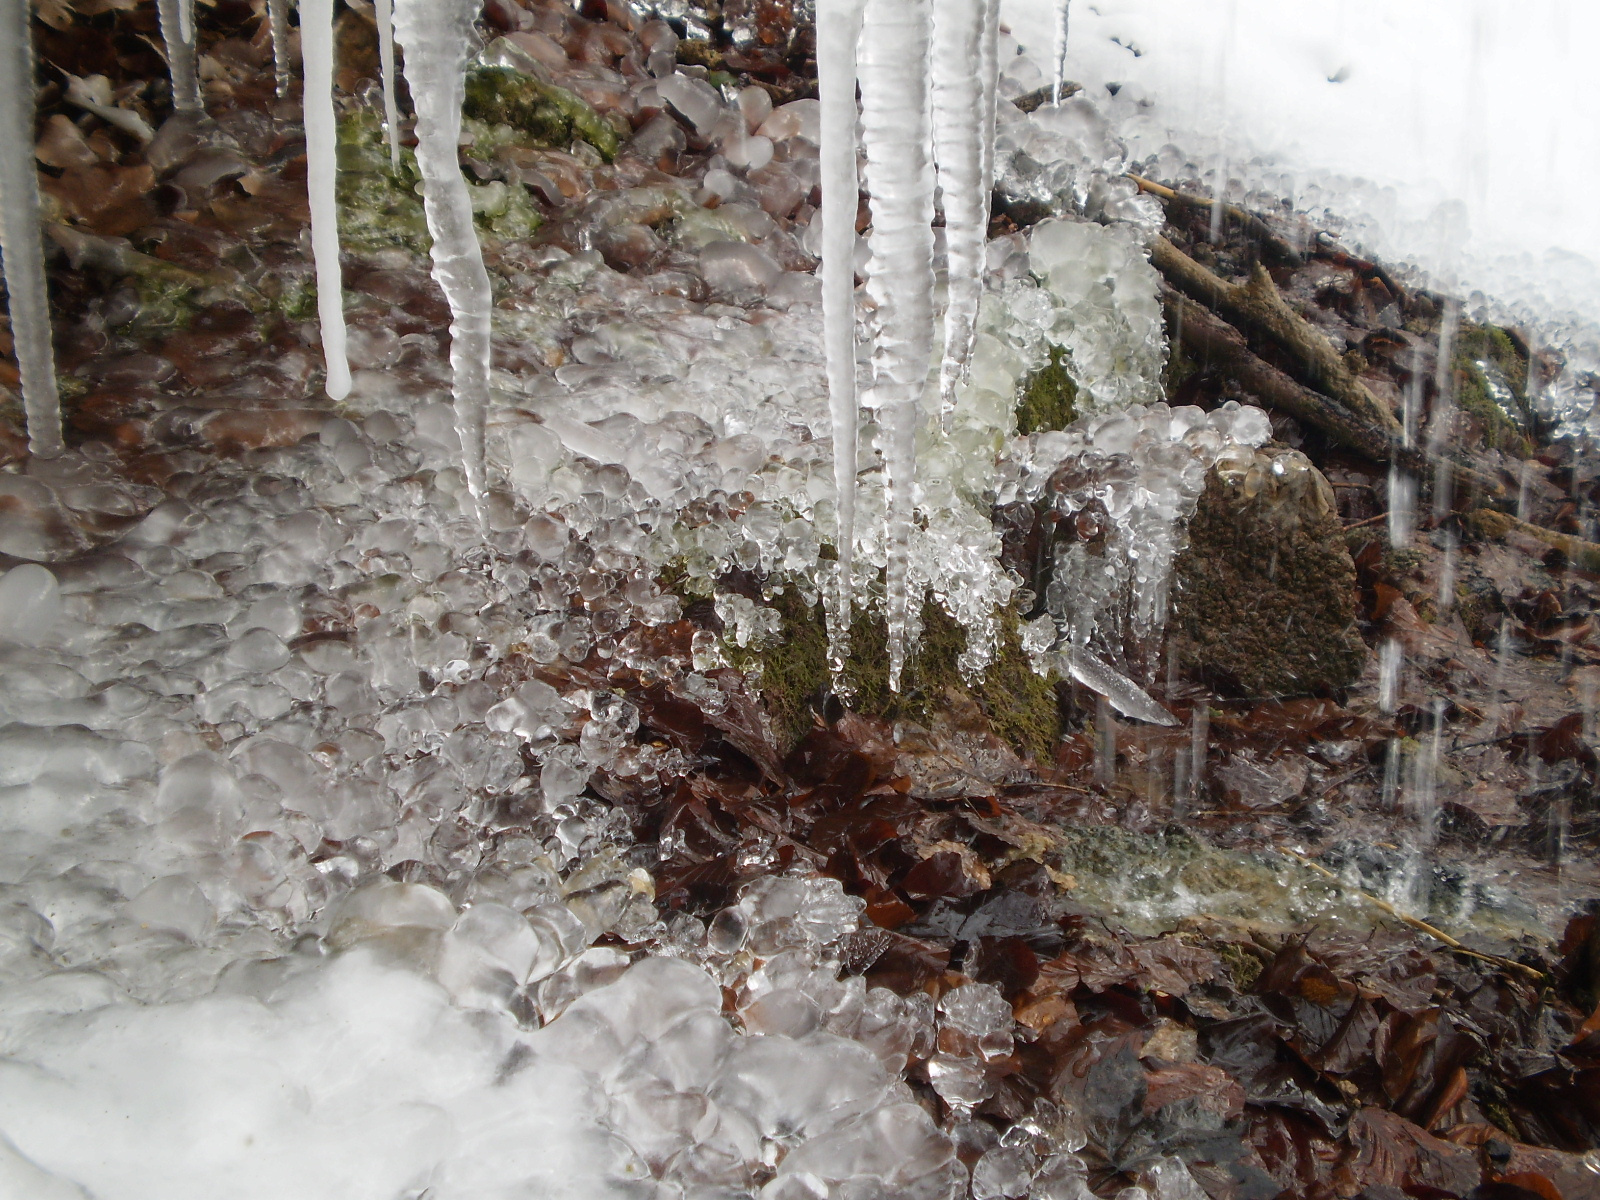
1459	137
299	884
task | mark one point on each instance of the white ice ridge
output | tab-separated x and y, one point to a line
316	50
838	27
896	138
437	36
20	247
384	12
177	34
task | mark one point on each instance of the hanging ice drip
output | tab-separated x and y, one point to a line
926	117
20	247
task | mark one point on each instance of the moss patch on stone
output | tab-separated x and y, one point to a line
1021	707
379	207
1490	377
541	113
1048	398
1264	597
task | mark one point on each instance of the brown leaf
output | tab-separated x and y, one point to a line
1387	1150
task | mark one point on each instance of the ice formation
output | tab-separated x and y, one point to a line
20	246
278	29
383	12
316	49
335	876
437	38
838	28
1058	59
178	38
896	142
962	31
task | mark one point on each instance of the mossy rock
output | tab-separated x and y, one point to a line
1021	707
1048	398
379	207
543	114
1491	379
1264	597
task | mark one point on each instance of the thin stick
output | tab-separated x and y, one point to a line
1505	964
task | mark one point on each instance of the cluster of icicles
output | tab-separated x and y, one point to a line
926	72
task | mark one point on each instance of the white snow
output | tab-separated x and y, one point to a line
1459	136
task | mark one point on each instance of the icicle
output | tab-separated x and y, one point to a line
278	24
316	50
896	138
958	136
20	246
177	32
1059	73
437	38
838	28
391	110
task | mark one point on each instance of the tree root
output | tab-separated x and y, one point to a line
1208	337
1258	308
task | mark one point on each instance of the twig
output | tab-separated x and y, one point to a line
1505	964
1031	101
1277	246
1383	516
1208	337
1258	307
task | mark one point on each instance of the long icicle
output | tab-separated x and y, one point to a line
958	137
989	83
838	29
1058	74
896	138
278	26
437	38
316	51
20	245
391	110
177	34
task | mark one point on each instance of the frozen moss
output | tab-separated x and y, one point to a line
541	113
1049	398
1490	378
1021	707
379	207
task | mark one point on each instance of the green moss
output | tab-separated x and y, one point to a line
545	115
1021	707
1049	398
1264	597
168	301
1490	378
379	207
